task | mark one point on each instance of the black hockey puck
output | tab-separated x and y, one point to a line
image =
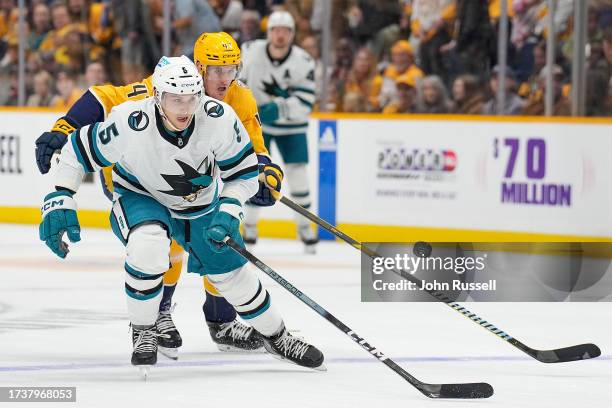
422	249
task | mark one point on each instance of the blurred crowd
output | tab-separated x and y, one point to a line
390	56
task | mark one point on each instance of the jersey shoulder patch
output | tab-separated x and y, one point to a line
138	120
213	109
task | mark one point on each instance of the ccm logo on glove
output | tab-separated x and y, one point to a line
52	204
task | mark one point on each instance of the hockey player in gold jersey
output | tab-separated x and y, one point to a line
217	56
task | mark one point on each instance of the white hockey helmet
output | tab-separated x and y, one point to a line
177	77
281	18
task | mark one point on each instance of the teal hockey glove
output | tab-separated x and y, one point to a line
223	225
58	217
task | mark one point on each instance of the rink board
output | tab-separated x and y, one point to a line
474	178
395	178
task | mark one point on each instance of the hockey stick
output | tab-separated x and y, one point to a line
466	390
561	355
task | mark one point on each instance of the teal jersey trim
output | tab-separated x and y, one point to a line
94	143
249	175
128	178
135	272
144	297
125	174
257	313
77	151
236	157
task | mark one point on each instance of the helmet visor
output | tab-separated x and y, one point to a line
222	71
178	104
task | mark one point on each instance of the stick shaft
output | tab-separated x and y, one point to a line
478	390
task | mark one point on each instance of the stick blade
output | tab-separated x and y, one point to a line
457	391
566	354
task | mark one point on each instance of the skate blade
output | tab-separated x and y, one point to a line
231	349
144	371
321	368
171	353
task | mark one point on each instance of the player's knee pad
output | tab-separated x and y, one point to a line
243	290
297	175
148	249
147	260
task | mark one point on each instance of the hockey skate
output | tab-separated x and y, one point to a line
309	238
284	346
169	338
235	336
249	234
144	356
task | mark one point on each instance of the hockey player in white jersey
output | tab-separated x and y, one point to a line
184	167
282	78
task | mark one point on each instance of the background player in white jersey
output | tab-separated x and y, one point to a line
184	166
281	76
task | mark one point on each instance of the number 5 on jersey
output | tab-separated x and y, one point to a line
108	132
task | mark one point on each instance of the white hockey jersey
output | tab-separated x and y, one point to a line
185	172
289	82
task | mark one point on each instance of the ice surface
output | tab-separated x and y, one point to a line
63	323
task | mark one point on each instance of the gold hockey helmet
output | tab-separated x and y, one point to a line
216	49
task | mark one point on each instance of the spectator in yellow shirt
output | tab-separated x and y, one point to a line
402	64
360	78
9	14
60	19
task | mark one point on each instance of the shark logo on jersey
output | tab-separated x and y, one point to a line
213	109
273	89
138	120
191	183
